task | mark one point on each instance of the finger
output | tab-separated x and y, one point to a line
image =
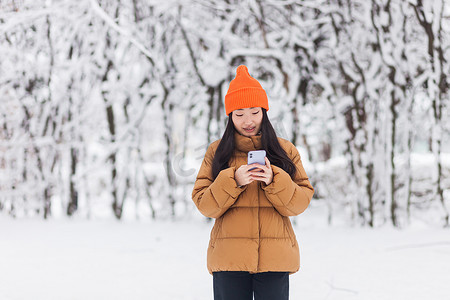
250	166
258	170
267	161
258	174
247	167
263	168
254	166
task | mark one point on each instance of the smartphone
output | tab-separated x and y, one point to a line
257	157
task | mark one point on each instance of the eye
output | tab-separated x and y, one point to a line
256	113
239	115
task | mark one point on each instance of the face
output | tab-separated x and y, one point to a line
247	118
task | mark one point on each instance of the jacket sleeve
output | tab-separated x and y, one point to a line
289	197
214	197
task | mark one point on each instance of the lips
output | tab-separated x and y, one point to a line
249	129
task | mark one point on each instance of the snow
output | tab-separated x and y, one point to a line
107	259
54	94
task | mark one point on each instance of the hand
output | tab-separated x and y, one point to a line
242	175
262	173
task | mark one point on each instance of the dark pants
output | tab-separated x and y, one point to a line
237	285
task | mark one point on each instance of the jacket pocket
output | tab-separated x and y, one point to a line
290	230
215	231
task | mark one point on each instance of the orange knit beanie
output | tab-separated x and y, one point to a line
245	91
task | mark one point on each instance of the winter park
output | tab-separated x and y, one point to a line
203	149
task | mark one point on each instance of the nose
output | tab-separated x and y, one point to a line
248	120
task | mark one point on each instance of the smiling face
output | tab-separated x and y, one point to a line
247	118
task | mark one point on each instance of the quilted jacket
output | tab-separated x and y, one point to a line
252	230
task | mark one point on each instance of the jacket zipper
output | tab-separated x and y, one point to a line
258	224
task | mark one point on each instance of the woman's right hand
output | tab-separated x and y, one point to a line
243	176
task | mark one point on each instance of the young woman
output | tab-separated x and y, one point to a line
253	248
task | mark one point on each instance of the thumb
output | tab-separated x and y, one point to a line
267	161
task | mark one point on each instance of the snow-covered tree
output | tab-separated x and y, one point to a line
108	106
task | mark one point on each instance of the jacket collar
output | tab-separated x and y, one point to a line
247	143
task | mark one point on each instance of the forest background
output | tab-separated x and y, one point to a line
107	107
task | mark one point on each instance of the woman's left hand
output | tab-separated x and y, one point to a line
264	173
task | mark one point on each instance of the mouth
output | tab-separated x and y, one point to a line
250	129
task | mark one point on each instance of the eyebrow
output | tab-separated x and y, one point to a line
243	109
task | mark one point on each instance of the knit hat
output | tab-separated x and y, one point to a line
245	91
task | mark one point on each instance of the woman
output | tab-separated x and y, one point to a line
253	248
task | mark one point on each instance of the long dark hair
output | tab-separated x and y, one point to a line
269	142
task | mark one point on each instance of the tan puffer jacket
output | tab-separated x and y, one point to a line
252	231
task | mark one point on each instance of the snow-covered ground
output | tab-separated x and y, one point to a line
80	259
